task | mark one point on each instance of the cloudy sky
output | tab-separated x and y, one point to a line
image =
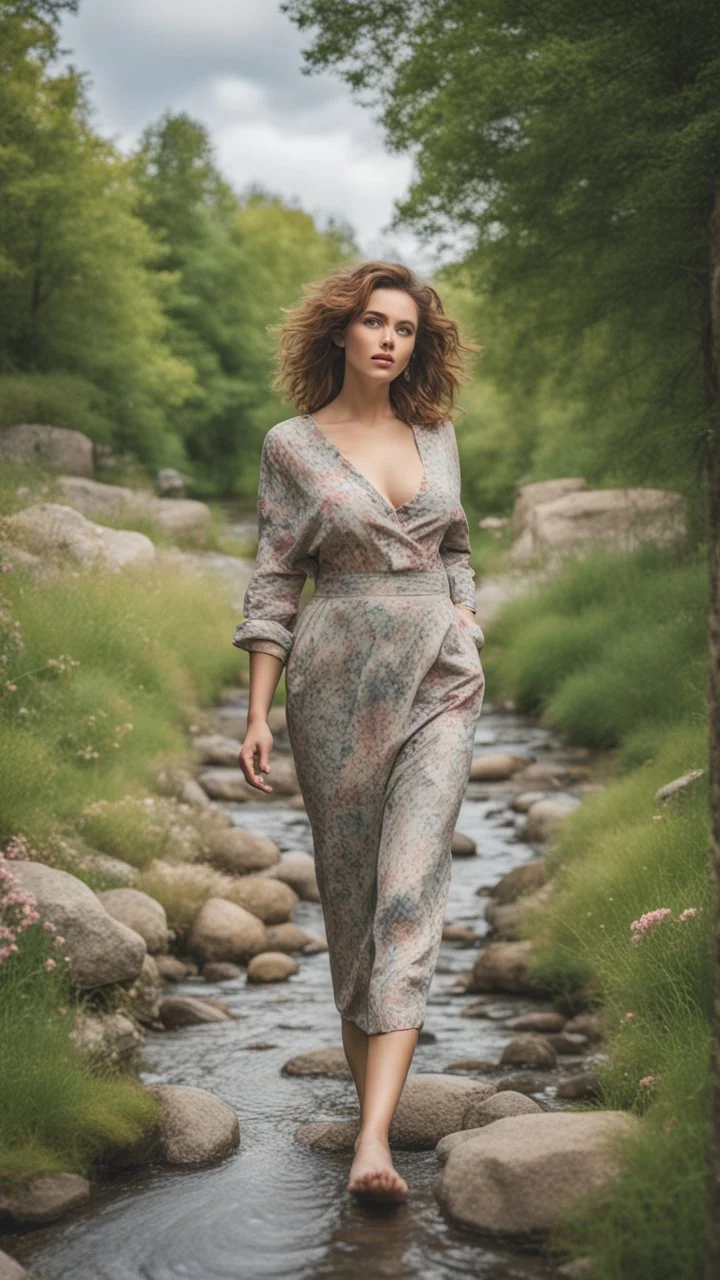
235	65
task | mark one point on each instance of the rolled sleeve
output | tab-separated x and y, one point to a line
283	561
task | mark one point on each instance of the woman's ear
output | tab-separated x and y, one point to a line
338	338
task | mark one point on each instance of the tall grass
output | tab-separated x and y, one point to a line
103	672
58	1114
613	653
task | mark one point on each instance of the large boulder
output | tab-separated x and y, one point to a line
145	992
522	1174
617	518
59	447
93	860
525	878
189	1011
430	1106
545	817
531	495
505	966
238	852
10	1269
213	748
223	930
505	1103
270	900
319	1062
290	938
106	1037
528	1051
496	766
44	1199
197	1127
181	515
271	966
139	912
98	500
297	869
101	950
50	528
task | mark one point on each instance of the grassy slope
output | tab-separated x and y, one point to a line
613	654
135	655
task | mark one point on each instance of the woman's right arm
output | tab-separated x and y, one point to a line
271	601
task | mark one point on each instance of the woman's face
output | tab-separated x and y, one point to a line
388	326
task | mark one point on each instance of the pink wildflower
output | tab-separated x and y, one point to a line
649	1080
648	921
688	914
49	964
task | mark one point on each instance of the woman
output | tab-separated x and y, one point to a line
384	684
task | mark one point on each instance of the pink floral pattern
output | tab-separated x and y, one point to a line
384	687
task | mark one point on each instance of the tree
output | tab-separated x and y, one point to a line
236	261
77	295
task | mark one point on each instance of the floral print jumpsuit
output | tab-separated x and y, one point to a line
384	686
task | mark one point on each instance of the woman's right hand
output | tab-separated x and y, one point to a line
258	742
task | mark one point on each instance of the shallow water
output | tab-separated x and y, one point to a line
276	1208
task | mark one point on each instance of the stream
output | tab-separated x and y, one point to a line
276	1208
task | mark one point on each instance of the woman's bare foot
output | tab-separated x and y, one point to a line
372	1174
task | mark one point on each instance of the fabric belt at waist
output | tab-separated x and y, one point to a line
390	582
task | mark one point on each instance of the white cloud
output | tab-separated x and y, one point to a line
235	65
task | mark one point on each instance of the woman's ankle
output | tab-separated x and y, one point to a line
372	1135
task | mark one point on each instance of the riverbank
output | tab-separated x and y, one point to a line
613	654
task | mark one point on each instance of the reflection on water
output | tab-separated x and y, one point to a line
275	1208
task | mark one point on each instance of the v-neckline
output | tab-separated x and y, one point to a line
366	479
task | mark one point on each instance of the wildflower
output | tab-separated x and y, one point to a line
688	914
648	921
49	927
649	1080
49	964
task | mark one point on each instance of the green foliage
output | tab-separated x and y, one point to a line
103	672
235	263
613	650
616	857
58	1114
136	292
78	298
54	399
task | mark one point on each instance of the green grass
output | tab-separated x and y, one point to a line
103	674
58	1113
136	653
612	653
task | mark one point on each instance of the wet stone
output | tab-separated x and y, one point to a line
318	1062
221	971
584	1084
525	1082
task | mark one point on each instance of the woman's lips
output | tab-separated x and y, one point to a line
383	359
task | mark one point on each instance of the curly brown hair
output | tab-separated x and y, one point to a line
310	366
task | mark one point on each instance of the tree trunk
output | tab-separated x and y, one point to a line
712	380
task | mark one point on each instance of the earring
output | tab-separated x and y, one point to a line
406	373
